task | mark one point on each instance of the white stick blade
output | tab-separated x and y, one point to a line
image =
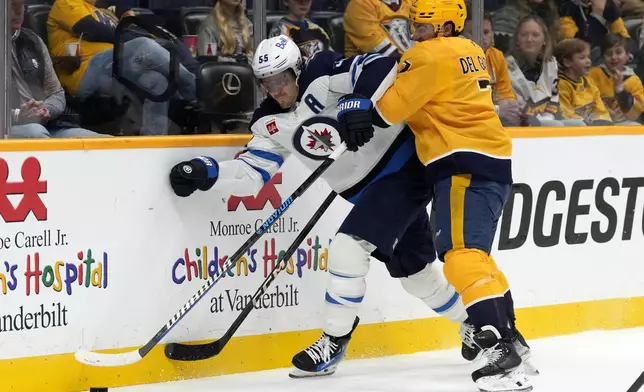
107	360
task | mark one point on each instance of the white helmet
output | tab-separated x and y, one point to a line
276	55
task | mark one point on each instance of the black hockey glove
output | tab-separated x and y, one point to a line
356	124
199	173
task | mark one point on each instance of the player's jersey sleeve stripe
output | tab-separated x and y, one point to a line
255	165
354	69
360	62
266	177
372	74
371	58
269	156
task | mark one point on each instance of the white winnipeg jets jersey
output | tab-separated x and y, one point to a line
310	131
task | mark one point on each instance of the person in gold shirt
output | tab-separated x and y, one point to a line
145	62
443	91
591	20
620	88
377	26
505	100
579	97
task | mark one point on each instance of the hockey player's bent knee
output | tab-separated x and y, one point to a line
499	275
471	275
348	266
432	288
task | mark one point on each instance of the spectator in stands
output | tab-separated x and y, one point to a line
125	8
144	61
37	98
591	20
631	8
377	26
533	71
507	18
620	88
504	98
579	98
310	37
228	32
632	12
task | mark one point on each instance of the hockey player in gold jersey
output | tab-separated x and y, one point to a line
443	92
377	26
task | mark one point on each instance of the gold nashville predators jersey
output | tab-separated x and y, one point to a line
580	99
371	26
443	90
626	105
63	16
500	77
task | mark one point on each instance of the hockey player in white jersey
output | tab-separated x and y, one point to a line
304	115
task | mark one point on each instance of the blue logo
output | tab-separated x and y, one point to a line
275	215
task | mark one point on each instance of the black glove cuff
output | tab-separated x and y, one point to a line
201	172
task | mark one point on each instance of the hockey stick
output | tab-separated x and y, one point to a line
198	352
637	384
130	357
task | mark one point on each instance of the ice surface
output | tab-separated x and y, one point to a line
599	361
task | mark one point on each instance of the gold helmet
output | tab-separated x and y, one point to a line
438	12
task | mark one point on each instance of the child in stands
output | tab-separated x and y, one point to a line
579	98
620	88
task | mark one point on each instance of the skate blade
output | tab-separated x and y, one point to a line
529	369
527	366
507	388
297	373
528	389
514	381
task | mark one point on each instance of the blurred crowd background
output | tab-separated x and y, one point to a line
101	68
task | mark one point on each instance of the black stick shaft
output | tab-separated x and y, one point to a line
232	261
184	352
637	384
279	266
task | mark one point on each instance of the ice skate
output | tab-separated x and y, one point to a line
470	351
322	357
525	353
503	370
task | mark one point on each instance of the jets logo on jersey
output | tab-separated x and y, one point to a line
316	137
